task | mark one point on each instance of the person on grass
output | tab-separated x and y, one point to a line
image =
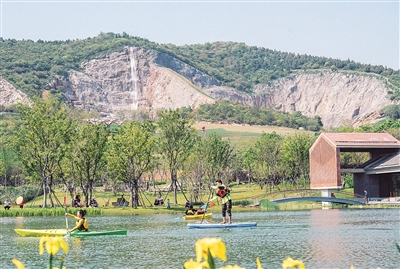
7	204
81	222
223	192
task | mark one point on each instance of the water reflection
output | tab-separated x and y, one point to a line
325	242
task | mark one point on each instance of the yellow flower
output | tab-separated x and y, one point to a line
53	245
215	245
232	267
290	263
191	264
18	264
259	266
59	268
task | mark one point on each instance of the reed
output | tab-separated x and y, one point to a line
46	212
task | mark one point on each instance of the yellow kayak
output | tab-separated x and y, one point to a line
62	232
47	232
197	216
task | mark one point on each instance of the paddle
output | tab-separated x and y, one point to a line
66	217
205	209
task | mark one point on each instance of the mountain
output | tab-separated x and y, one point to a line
136	78
111	74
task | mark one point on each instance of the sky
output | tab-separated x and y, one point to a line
363	31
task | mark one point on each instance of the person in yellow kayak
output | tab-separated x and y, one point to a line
81	222
190	210
223	192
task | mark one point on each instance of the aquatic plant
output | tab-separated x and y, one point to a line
53	246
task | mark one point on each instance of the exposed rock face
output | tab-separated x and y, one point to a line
9	95
137	79
338	98
141	79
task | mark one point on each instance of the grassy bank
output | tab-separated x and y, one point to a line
244	197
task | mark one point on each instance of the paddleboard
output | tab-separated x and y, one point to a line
220	225
197	217
62	232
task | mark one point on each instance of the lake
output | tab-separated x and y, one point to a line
330	238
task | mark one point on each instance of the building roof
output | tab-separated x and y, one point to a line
362	140
387	163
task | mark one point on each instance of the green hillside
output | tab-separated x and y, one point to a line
30	66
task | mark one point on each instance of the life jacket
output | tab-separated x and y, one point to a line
84	226
223	191
189	212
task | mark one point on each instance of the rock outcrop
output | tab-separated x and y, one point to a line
338	98
137	79
9	95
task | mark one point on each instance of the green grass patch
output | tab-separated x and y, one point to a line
41	212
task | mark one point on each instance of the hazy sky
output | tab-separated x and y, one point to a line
363	31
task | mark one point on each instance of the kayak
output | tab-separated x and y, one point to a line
63	232
197	216
221	225
48	232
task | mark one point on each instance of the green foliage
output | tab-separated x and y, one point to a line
88	148
388	125
42	141
132	153
234	113
46	212
391	111
32	66
266	204
217	156
263	160
176	140
12	193
349	180
295	154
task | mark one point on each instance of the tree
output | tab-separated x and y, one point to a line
132	153
175	142
295	155
218	155
42	141
264	160
87	155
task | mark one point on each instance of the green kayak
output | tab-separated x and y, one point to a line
63	232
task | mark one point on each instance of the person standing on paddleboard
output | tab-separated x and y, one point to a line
223	192
81	223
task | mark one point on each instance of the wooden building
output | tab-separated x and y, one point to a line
379	175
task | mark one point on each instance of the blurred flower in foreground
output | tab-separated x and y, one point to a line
259	266
18	264
53	245
290	263
216	247
191	264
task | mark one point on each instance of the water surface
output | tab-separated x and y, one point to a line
334	238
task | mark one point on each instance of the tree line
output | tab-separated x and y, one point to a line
224	111
48	144
52	146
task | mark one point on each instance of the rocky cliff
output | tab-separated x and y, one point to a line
9	95
137	79
141	79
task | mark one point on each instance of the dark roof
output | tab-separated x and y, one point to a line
387	163
362	140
